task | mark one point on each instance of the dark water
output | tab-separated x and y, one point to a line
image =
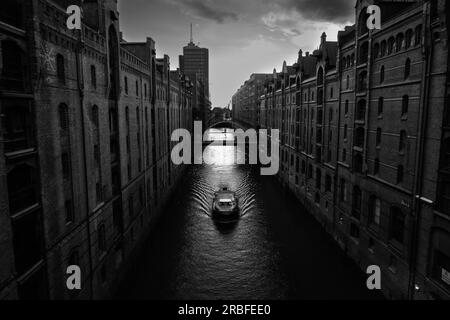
275	251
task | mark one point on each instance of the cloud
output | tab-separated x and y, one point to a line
206	9
337	11
286	23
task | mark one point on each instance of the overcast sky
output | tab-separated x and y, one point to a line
243	36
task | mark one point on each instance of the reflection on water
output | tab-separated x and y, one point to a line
275	251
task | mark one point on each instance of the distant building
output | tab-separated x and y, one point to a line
195	63
245	102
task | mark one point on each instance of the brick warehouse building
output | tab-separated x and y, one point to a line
85	155
365	142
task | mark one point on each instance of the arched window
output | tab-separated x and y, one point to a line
399	42
352	59
102	238
63	111
126	85
318	179
362	22
95	116
362	81
60	68
382	74
376	50
348	82
320	76
18	126
405	105
407	68
400	174
359	137
361	110
378	137
408	38
22	188
93	77
383	47
345	131
346	107
402	142
364	52
391	45
380	106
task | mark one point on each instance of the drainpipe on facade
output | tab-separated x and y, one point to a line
418	172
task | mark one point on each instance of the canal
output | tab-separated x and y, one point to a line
276	250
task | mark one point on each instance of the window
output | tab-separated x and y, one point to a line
102	238
361	111
126	85
346	107
405	105
418	35
137	88
63	117
362	22
345	132
376	50
358	163
376	166
130	206
344	155
354	231
357	200
407	68
383	48
145	90
65	161
359	137
93	77
380	106
12	75
348	82
310	172
320	77
60	68
382	74
391	45
374	210
441	257
22	188
18	131
400	174
95	117
342	190
408	39
399	42
378	139
397	225
318	179
402	143
68	206
362	81
328	183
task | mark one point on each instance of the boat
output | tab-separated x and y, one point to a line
225	204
